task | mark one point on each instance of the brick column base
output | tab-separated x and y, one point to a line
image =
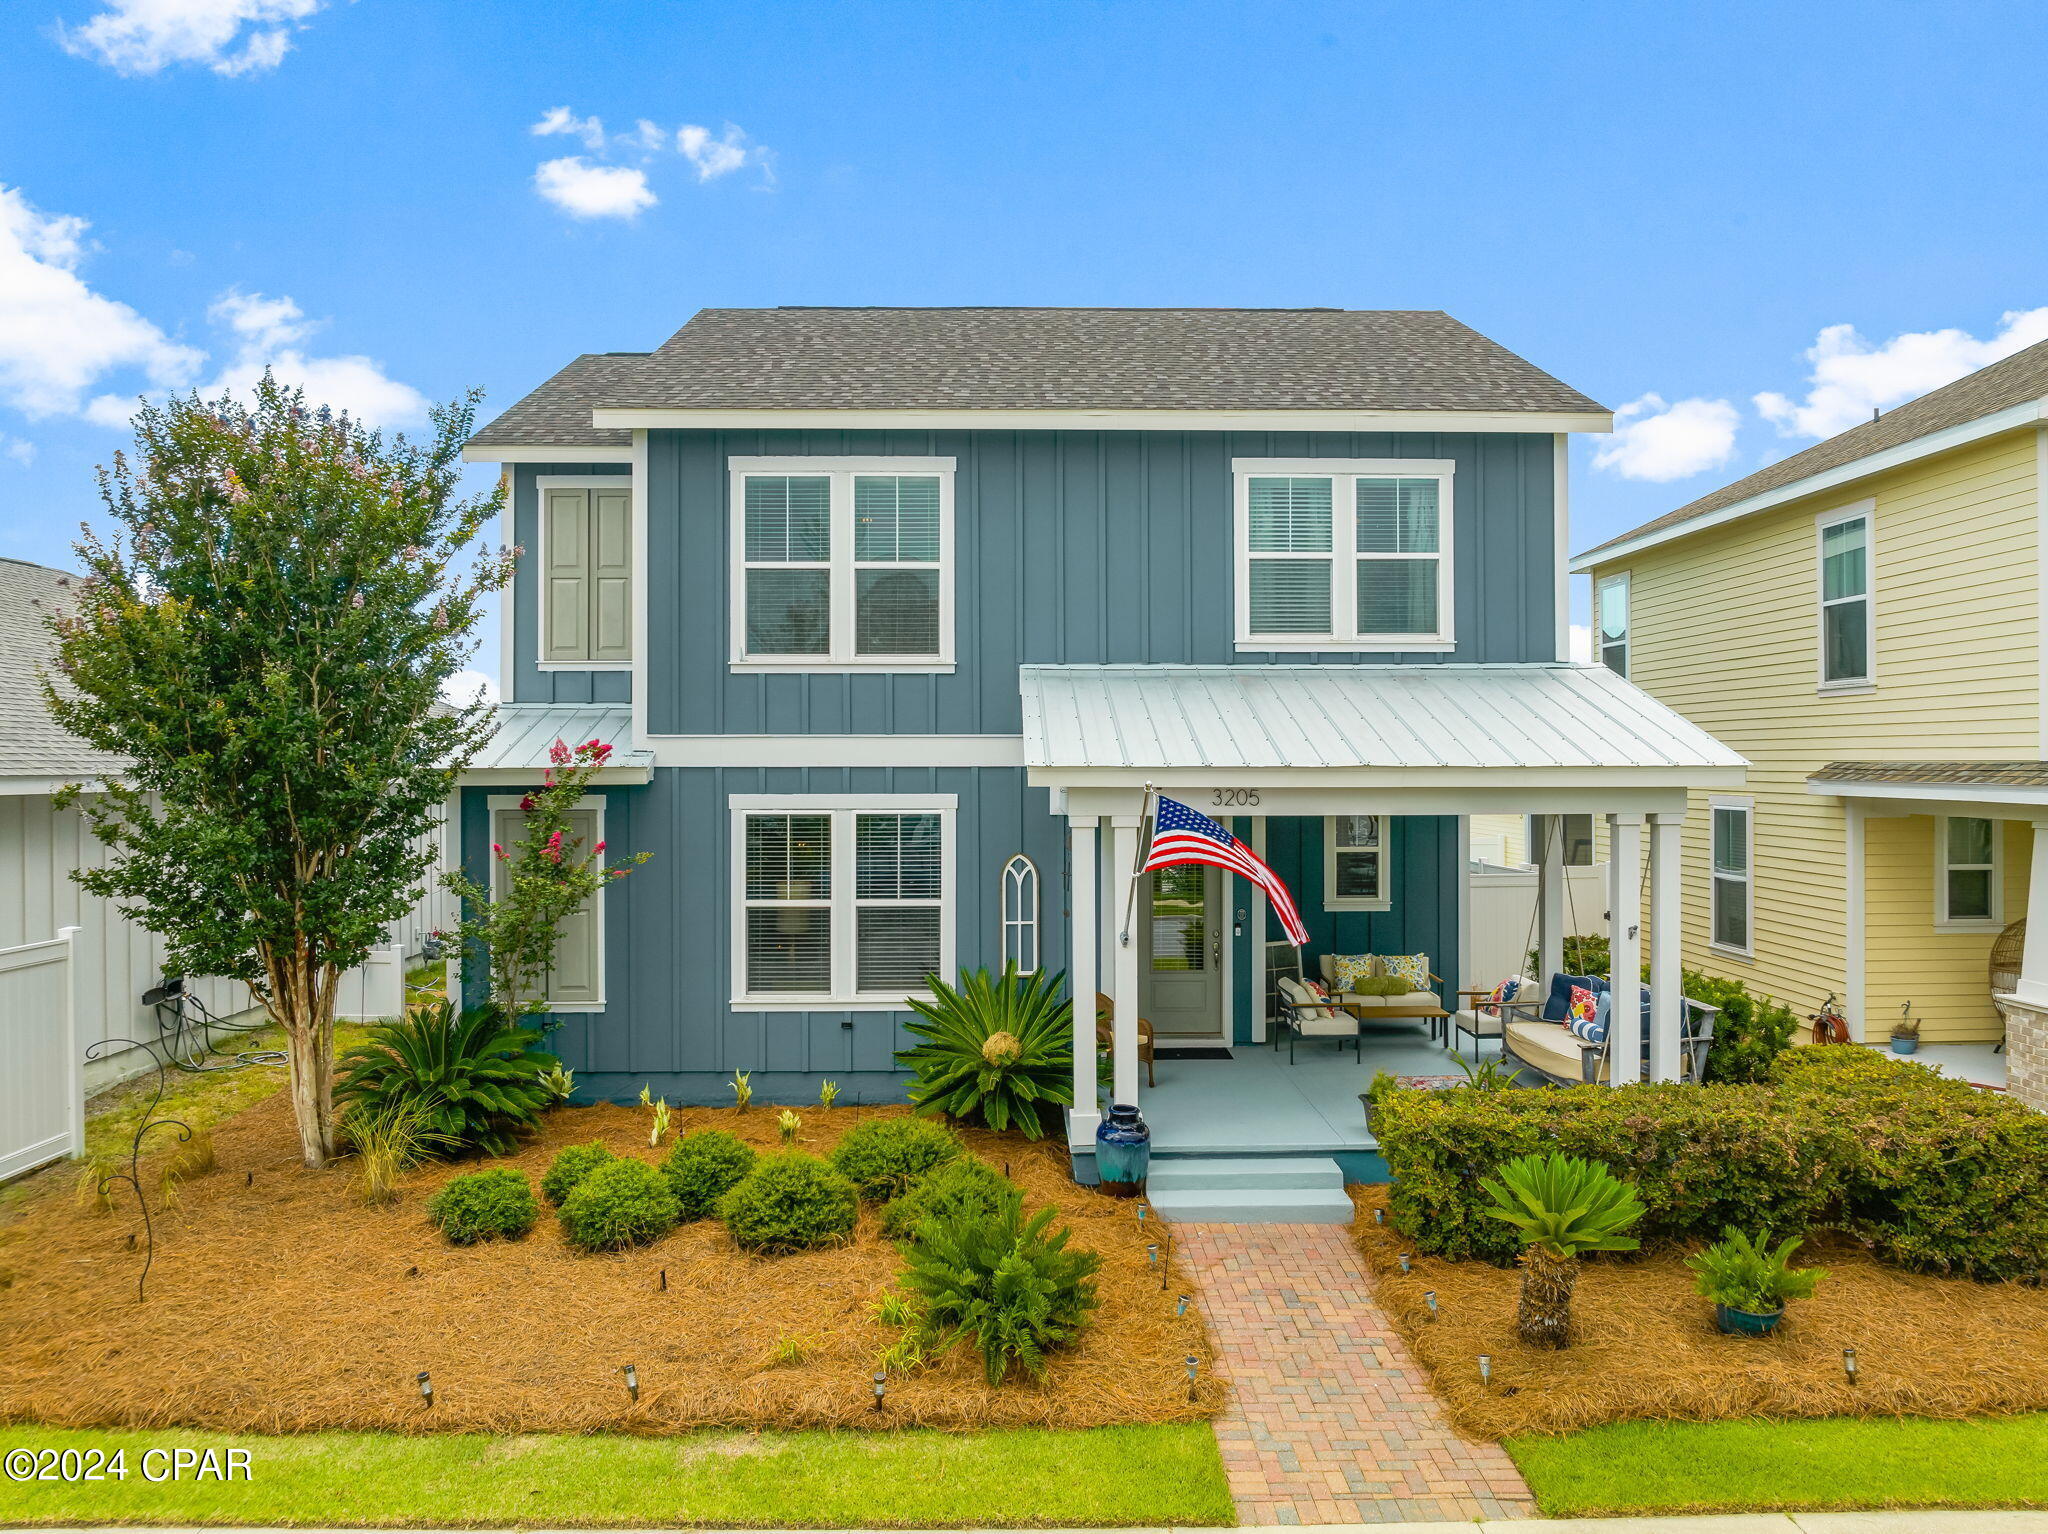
2026	1051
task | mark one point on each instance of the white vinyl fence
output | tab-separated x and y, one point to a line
42	1085
1503	916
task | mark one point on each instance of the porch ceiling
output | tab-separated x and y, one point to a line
1435	726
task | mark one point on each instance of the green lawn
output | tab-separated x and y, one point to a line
1758	1466
1108	1476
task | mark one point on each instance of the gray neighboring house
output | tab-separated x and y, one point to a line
892	613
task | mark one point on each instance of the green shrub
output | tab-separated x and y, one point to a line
886	1158
963	1186
1931	1172
571	1165
703	1167
1016	1290
999	1050
621	1202
481	1206
1585	953
476	1078
1749	1034
789	1202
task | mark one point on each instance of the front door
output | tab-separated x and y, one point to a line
1181	981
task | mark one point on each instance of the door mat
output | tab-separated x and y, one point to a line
1190	1052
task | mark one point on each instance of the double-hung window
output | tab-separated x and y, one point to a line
842	564
840	900
1355	863
1845	618
586	570
1967	897
1610	610
1734	847
1343	554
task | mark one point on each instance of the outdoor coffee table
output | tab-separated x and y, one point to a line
1436	1017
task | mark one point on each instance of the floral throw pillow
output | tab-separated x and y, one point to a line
1508	990
1347	969
1584	1018
1411	967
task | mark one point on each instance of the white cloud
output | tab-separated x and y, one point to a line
1582	643
230	37
584	190
267	324
1656	441
463	688
1851	378
562	120
57	336
23	453
713	157
268	333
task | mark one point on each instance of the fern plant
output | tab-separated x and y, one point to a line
1005	1281
999	1049
1562	1206
1738	1273
476	1079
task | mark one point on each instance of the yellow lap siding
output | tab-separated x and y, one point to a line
1945	975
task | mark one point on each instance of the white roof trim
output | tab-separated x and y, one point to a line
2013	418
1539	421
524	454
2019	794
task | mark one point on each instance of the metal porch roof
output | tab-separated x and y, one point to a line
1505	717
526	730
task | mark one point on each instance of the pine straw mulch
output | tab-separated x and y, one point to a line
282	1304
1647	1346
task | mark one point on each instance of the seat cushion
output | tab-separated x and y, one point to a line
1393	1004
1549	1047
1312	1014
1478	1022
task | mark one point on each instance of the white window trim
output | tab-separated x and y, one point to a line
1748	876
496	802
542	484
1628	621
1866	512
1332	901
1019	876
841	659
1943	922
1343	552
842	808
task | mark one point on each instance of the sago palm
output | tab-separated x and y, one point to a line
474	1078
998	1049
1562	1206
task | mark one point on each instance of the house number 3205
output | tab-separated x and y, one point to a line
1235	797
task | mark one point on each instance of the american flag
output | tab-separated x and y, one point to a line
1181	835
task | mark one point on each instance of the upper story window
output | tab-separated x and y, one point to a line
586	569
1968	897
1343	554
1845	618
842	564
1610	610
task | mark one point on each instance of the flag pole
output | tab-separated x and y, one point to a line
1145	819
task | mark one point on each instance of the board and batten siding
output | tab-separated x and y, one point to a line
524	680
1724	627
1070	546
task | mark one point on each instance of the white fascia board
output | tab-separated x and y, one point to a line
2011	795
1270	780
1537	421
32	785
481	777
547	455
834	750
2016	417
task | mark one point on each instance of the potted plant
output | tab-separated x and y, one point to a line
1906	1032
1748	1285
1382	1086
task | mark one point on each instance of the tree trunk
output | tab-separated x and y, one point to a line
306	1008
1545	1318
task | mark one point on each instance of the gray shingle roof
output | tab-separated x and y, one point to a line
2000	774
557	414
31	743
1049	359
2013	381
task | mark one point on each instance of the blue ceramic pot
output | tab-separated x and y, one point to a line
1748	1323
1903	1046
1123	1150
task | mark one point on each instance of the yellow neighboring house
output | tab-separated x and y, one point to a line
1867	623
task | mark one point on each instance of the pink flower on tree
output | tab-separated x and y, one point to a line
527	804
554	848
498	849
559	754
597	849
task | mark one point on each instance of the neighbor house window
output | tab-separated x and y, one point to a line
1967	889
1355	863
841	901
1575	834
1343	554
586	569
1845	625
842	564
1017	896
575	977
1733	852
1610	608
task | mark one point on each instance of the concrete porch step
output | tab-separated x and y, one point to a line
1243	1173
1252	1206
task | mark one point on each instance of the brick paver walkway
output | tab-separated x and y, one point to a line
1330	1419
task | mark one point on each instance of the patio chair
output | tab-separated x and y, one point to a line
1546	1046
1306	1015
1105	1035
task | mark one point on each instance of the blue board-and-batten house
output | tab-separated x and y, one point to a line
891	613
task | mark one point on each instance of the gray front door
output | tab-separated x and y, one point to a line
1181	974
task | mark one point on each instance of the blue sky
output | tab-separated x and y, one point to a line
1677	208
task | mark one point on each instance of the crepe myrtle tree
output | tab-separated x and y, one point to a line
264	636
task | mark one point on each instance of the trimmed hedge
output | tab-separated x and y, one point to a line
571	1165
1933	1173
705	1165
965	1187
482	1206
789	1202
886	1158
619	1203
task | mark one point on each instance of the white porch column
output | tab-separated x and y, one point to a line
1124	992
1084	949
1549	897
1625	948
1666	997
1854	939
2033	986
